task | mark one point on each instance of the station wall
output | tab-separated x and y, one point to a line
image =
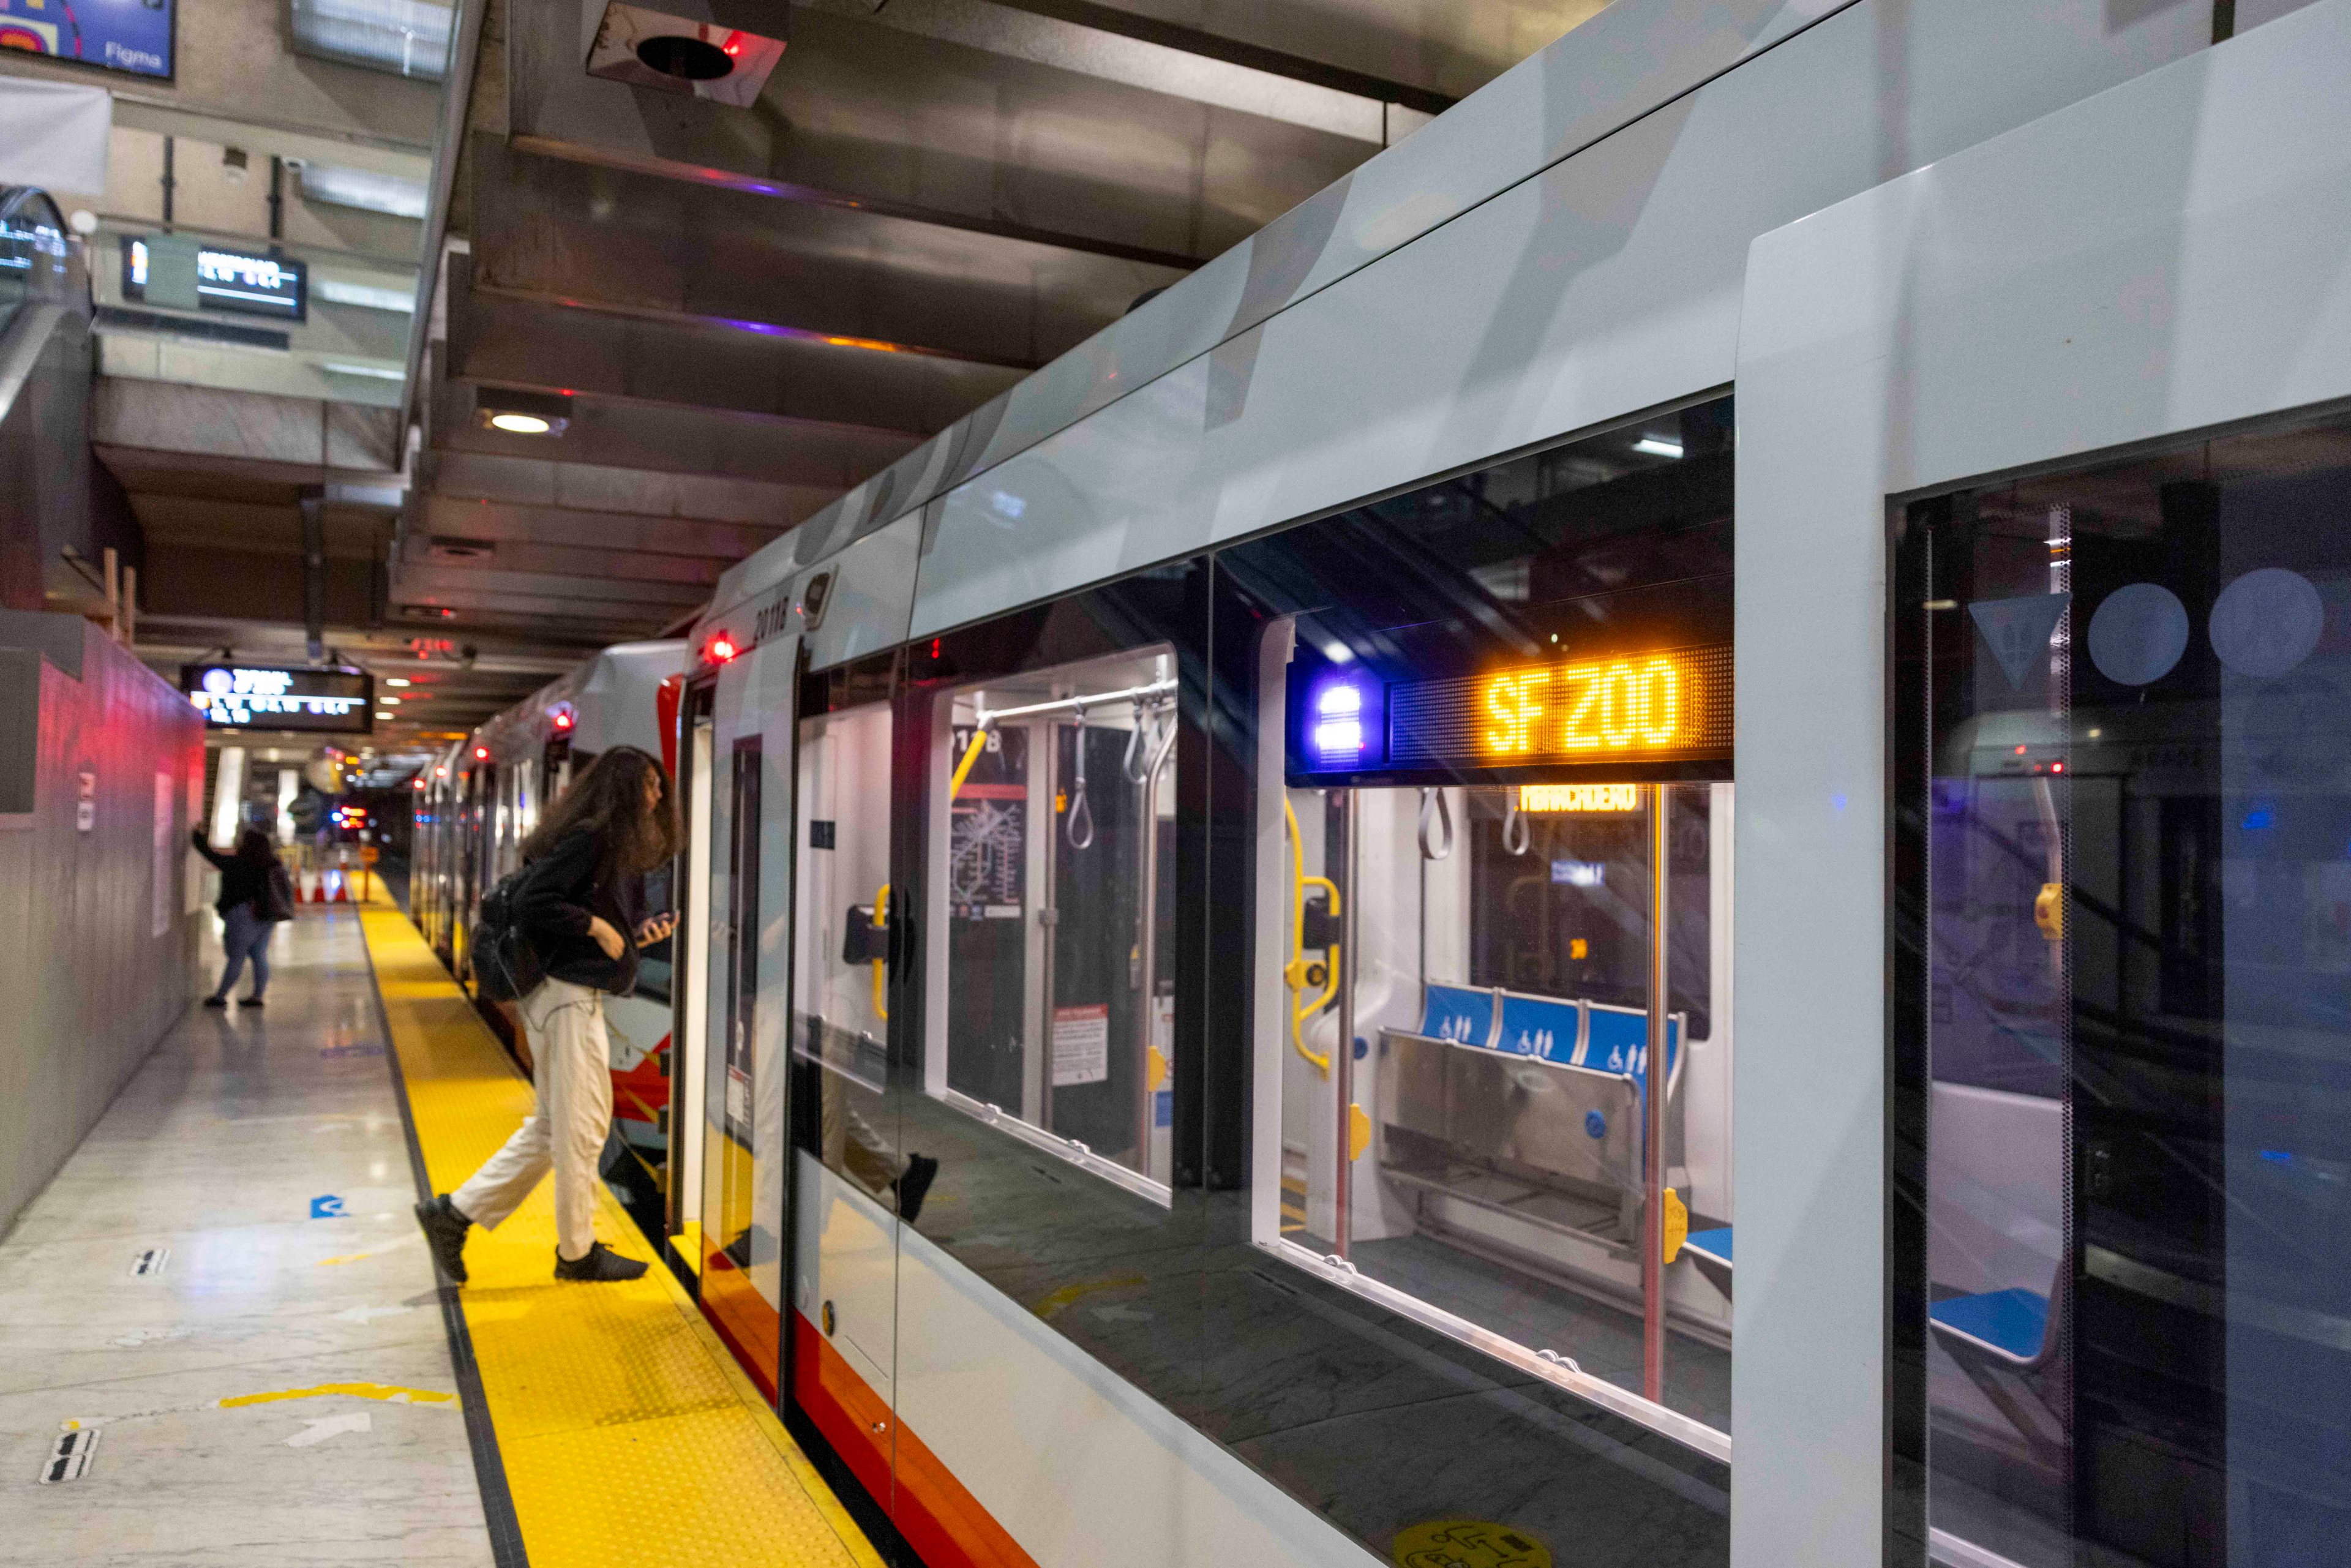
101	765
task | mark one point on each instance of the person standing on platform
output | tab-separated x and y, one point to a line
249	908
580	907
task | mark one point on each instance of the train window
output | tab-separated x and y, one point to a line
2128	835
1059	909
1493	872
841	939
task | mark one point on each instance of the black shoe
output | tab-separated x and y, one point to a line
216	1001
445	1234
913	1182
600	1265
250	1002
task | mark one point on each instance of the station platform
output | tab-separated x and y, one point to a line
222	1340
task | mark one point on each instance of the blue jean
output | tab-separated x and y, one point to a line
248	936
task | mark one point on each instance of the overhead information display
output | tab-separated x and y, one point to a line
1657	708
248	697
180	273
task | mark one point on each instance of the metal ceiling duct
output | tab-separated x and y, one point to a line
406	38
364	189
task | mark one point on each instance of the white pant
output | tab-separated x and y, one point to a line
571	1070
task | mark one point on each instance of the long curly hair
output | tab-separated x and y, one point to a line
607	800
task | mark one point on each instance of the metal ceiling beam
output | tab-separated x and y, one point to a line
657	458
425	582
528	343
454	517
1322	56
893	122
564	232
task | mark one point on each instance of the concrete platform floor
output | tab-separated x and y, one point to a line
279	1390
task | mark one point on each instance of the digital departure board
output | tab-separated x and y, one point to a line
183	274
248	697
1642	711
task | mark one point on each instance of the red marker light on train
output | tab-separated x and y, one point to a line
721	650
481	754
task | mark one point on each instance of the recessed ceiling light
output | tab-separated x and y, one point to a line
396	680
524	423
392	702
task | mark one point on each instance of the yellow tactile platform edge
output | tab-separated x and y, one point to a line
628	1433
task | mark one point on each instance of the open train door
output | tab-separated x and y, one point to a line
2044	556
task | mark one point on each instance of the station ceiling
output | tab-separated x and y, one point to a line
751	307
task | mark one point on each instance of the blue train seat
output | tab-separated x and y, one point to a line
1462	1014
1542	1026
1710	1252
2011	1326
1616	1038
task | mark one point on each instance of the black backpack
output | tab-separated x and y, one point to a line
505	966
276	901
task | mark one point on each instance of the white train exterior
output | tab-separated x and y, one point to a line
1127	800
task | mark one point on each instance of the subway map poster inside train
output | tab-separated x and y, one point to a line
133	35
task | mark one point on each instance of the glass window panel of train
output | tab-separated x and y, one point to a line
2132	824
1488	691
841	938
1059	908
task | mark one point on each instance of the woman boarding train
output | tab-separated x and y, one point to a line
579	906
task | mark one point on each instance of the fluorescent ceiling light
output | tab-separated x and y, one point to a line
1658	446
365	190
520	423
390	702
374	297
406	38
396	680
378	372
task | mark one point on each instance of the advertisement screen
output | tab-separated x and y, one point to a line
133	35
247	696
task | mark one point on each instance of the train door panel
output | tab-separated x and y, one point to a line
697	930
848	919
745	1236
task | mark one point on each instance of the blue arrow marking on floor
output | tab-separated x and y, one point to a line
326	1207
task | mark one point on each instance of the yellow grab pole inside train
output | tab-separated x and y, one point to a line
880	981
970	756
1295	974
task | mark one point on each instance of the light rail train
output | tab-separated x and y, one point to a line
1744	638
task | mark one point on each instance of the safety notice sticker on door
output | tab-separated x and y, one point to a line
1080	1044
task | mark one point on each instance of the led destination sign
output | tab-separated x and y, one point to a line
175	271
1666	706
246	696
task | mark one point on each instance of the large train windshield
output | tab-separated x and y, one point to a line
1493	910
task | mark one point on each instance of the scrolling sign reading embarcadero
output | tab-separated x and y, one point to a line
1673	705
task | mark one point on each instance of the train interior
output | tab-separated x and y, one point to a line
1059	828
1500	1030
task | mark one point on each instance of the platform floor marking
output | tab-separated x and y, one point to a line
388	1393
628	1433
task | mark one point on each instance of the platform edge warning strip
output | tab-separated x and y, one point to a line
507	1549
623	1431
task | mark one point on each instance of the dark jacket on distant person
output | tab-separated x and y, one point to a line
558	899
242	881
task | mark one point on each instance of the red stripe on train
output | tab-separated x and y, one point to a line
940	1520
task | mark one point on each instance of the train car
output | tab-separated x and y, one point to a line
483	796
1743	638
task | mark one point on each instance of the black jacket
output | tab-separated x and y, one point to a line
241	882
558	900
